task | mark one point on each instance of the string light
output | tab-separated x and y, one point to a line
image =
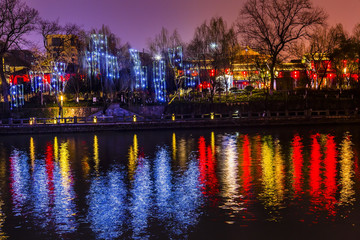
159	80
140	72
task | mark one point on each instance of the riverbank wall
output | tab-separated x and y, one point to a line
169	122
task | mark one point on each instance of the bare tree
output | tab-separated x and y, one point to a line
214	47
318	53
16	20
271	26
159	47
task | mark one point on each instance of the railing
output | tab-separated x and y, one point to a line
265	115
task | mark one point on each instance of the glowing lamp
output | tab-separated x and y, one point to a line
212	116
95	119
134	118
173	117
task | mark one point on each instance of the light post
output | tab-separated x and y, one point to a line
61	115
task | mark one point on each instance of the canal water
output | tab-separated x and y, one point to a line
256	183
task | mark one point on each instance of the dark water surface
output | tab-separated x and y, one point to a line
269	183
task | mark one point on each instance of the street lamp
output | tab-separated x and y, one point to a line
61	115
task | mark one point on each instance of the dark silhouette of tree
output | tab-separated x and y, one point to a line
159	47
214	47
271	26
16	20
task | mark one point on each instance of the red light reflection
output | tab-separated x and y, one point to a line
297	159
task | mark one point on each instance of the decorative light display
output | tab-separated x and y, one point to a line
39	81
176	57
159	80
16	95
191	74
101	64
58	81
140	72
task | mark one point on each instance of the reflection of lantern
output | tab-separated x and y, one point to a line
194	73
355	77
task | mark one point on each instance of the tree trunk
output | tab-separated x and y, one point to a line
5	88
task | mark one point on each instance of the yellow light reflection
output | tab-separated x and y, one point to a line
174	146
182	153
96	153
346	171
212	142
32	152
279	171
56	149
133	156
64	165
272	177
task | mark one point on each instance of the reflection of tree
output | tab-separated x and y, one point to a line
141	204
214	47
107	205
297	164
330	175
346	171
272	175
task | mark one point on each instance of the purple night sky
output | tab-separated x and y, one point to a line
136	21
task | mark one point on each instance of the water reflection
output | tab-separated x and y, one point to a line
61	189
330	175
272	180
297	163
346	171
107	204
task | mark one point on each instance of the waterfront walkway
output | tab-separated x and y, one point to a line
210	120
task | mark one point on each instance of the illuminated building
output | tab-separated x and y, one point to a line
61	47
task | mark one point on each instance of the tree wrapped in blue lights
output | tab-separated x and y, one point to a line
58	81
16	95
102	66
139	72
191	75
159	80
38	82
176	57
